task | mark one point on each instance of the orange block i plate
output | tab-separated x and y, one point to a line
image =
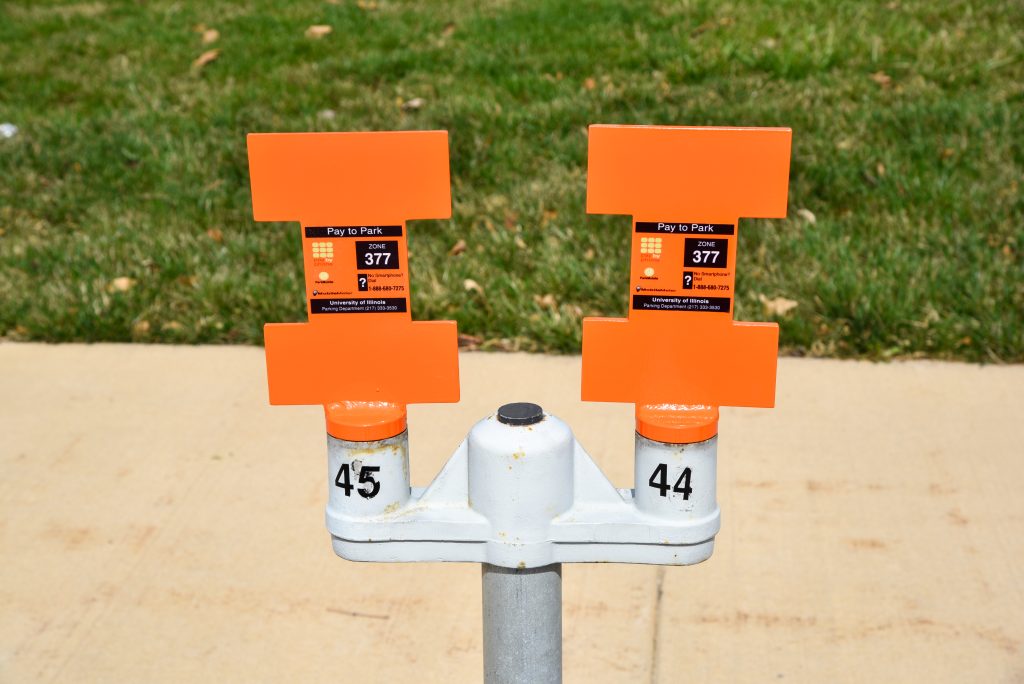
680	355
360	354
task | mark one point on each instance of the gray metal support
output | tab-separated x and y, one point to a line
522	625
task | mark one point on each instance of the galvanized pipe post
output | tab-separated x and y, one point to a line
522	624
522	605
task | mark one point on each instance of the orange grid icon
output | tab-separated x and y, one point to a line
651	247
323	250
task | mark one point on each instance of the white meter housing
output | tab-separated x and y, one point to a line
520	491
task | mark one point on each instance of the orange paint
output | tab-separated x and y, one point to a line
360	354
686	189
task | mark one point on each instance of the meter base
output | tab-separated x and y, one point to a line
476	552
522	497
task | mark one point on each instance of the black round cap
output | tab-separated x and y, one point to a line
520	413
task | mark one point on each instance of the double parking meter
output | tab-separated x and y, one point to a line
520	493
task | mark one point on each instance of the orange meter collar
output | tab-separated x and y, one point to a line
679	355
360	354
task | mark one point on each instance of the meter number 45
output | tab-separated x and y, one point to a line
659	480
344	480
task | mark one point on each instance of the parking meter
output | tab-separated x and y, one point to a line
520	495
360	355
679	355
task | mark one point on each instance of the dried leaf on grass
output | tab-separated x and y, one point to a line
317	31
547	301
708	25
883	79
777	306
471	285
501	344
807	215
205	58
413	104
469	341
121	284
458	248
210	36
215	234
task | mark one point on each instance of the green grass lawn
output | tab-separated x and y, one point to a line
124	199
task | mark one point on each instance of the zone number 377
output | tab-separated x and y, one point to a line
376	258
382	254
704	253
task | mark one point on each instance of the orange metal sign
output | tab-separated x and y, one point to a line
360	355
686	189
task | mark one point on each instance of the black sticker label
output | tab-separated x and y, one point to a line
706	253
367	305
656	303
353	231
363	282
687	280
685	228
377	254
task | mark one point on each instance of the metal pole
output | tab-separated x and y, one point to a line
522	625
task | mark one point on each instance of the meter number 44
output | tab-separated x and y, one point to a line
344	480
659	480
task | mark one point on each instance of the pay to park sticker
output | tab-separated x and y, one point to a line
356	269
682	266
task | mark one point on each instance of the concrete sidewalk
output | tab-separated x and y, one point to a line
160	523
